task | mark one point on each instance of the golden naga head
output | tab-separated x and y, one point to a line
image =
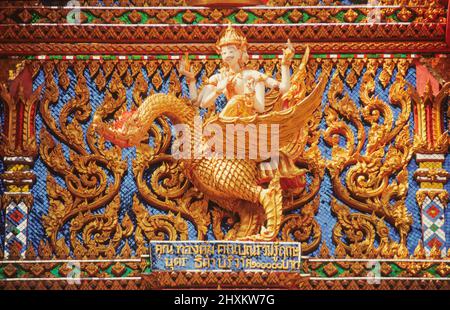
232	36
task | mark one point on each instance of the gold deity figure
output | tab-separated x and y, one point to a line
245	89
243	186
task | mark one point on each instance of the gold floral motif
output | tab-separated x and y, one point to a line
101	233
222	218
140	89
303	227
169	190
361	230
357	66
157	227
86	186
362	181
350	16
404	15
241	16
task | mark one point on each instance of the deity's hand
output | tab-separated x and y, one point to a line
222	84
305	60
184	70
288	53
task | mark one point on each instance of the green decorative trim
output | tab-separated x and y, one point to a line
318	269
53	269
397	269
214	57
356	14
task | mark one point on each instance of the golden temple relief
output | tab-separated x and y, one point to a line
228	198
372	179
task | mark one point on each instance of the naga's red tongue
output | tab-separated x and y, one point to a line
289	183
112	136
123	118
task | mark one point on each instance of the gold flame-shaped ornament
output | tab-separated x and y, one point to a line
232	36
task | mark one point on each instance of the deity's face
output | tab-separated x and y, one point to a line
231	55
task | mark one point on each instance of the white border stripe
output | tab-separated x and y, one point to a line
300	25
209	56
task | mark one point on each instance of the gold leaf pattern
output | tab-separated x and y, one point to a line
367	186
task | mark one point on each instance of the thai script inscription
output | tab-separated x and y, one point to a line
225	256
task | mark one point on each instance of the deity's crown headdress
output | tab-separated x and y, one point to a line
232	36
